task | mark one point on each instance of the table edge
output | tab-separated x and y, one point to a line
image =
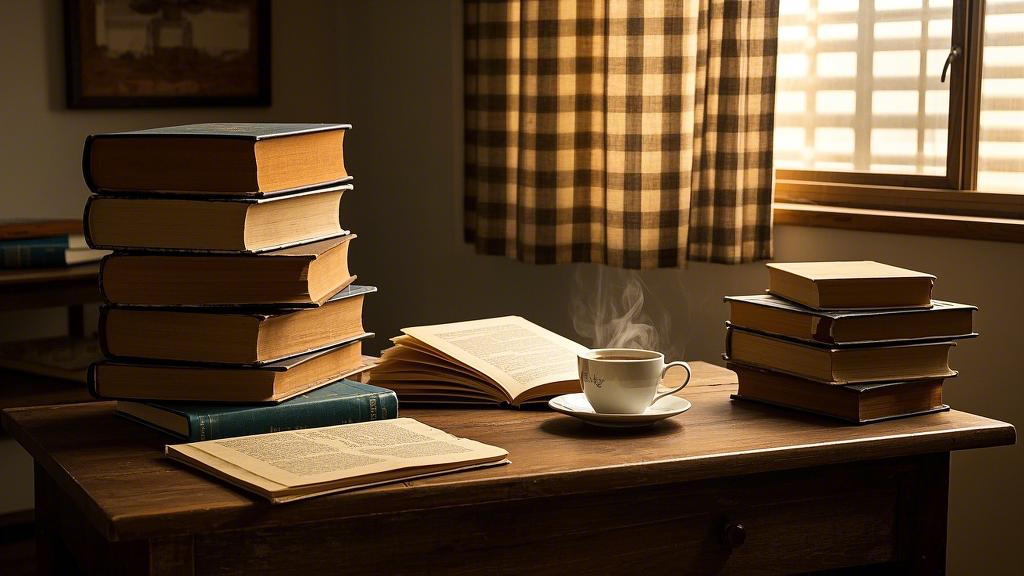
529	486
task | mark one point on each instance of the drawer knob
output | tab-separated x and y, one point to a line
734	534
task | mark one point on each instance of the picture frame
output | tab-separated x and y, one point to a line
167	53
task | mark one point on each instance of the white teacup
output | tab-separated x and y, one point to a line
624	380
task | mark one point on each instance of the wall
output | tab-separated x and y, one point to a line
393	69
405	150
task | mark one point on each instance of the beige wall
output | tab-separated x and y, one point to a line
393	70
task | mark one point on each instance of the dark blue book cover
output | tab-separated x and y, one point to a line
49	251
341	402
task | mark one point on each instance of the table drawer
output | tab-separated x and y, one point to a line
777	523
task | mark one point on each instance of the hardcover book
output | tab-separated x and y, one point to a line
230	335
47	252
14	228
508	361
270	383
856	403
850	285
223	159
839	365
295	464
214	224
341	402
777	316
305	275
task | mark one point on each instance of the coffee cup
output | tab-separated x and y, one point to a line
624	380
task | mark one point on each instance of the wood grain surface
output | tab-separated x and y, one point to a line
114	473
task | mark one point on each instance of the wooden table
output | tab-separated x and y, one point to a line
725	487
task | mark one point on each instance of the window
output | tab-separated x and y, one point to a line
868	134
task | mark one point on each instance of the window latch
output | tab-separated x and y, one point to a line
953	55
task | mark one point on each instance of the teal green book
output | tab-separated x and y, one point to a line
341	402
46	252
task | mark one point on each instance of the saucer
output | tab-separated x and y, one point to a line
577	405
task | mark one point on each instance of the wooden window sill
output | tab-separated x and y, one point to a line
973	227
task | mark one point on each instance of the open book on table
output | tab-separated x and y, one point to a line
507	360
296	464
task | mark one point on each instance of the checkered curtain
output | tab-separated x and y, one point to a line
627	132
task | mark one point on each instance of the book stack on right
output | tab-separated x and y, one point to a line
860	341
229	292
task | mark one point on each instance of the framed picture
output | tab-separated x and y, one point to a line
131	53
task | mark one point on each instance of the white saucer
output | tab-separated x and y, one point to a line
577	405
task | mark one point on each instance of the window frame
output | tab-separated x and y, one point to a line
947	205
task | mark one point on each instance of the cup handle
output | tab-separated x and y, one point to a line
689	373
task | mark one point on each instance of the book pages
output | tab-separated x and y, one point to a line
300	463
514	352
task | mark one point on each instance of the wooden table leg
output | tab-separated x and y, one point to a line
67	543
921	524
52	556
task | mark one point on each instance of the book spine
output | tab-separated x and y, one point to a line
87	163
293	416
33	253
91	382
99	277
85	222
47	242
825	330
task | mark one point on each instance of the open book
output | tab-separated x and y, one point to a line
286	466
508	360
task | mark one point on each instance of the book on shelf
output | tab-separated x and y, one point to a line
230	335
857	403
47	252
304	275
241	159
850	285
340	402
777	316
269	383
17	228
295	464
840	364
507	360
214	224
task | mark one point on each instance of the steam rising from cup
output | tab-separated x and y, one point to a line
610	310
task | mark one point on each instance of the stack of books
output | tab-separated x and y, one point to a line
861	341
228	285
44	243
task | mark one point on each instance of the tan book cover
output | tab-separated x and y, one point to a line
214	224
305	275
832	364
850	285
217	158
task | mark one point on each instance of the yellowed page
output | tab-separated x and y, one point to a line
514	352
319	460
408	352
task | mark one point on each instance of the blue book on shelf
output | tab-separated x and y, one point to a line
341	402
46	252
